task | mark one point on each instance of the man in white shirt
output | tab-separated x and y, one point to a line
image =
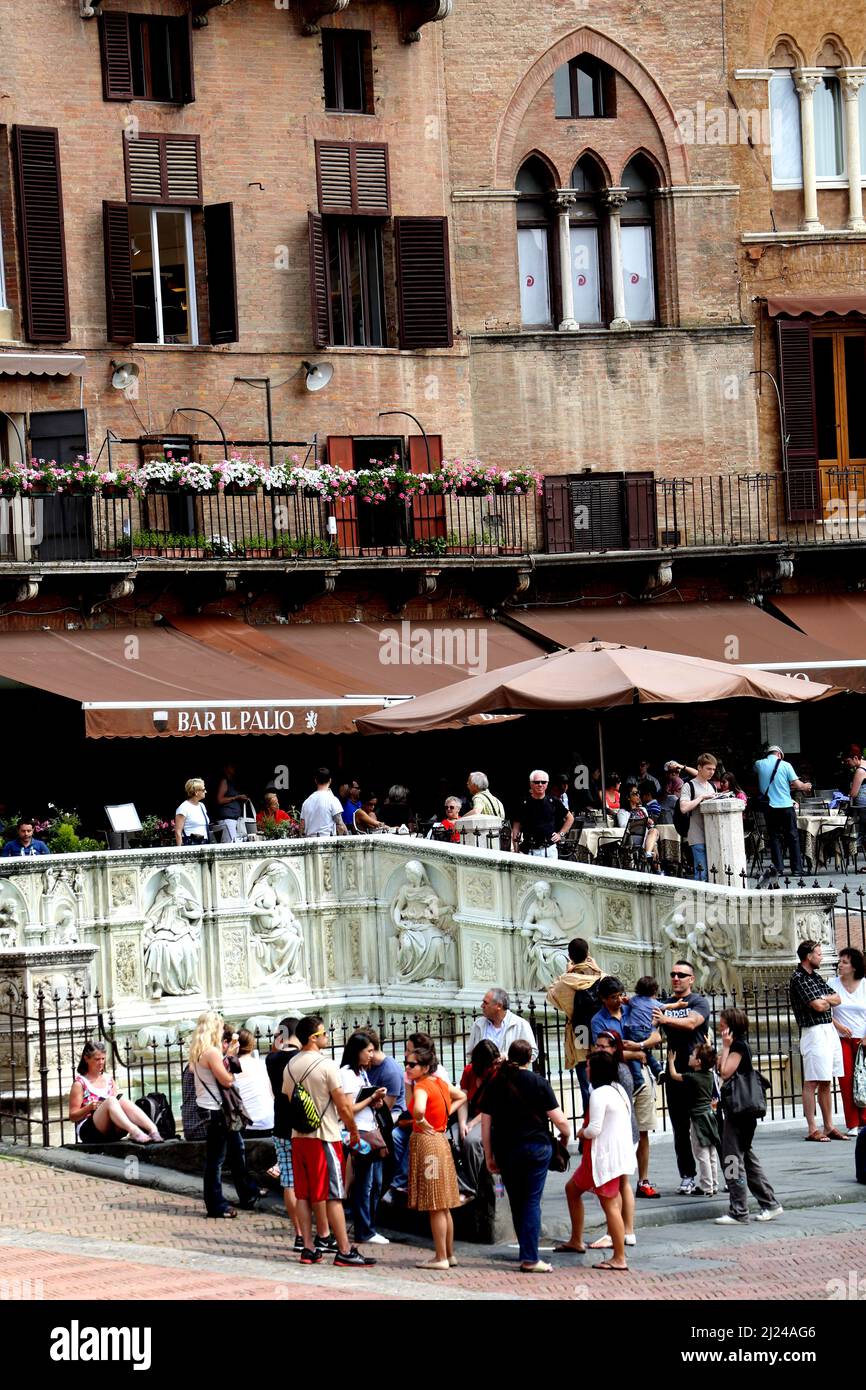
499	1025
322	813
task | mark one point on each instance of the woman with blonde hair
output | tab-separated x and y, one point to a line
207	1060
191	820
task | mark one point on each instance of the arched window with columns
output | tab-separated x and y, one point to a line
588	243
535	184
637	231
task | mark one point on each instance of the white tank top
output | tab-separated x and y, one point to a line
207	1091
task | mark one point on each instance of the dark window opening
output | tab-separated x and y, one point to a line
347	63
355	283
584	89
156	50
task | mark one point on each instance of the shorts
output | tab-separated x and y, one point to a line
821	1051
645	1103
318	1170
583	1180
89	1134
284	1159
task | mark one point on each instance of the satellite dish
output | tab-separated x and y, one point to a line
125	373
318	374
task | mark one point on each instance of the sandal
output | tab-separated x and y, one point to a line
540	1267
834	1134
605	1242
613	1269
563	1248
228	1215
816	1137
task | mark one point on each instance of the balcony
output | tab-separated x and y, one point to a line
580	517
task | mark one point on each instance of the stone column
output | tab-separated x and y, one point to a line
563	202
852	80
806	80
726	845
614	200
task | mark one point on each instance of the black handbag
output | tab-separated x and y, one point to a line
762	800
234	1112
743	1095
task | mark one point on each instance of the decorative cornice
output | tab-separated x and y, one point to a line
313	10
700	190
414	14
484	195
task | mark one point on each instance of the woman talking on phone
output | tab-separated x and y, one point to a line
365	1099
212	1077
101	1115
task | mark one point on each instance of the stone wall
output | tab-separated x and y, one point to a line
390	922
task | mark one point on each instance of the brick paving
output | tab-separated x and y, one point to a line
117	1241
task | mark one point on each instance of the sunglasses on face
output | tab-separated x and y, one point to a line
539	783
409	1065
680	975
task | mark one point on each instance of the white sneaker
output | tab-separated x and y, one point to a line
729	1220
769	1213
375	1240
853	1132
686	1187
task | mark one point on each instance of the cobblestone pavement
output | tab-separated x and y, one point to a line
115	1240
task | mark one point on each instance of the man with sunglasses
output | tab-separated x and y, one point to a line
541	822
684	1020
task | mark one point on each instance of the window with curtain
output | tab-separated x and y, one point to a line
638	257
829	136
585	230
533	244
787	160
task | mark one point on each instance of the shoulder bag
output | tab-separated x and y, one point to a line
762	800
743	1095
859	1077
234	1112
560	1158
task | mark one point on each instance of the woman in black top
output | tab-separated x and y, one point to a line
739	1162
516	1106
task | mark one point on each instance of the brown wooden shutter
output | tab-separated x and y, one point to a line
36	152
428	512
640	506
341	454
802	484
353	178
318	281
219	236
116	56
423	281
163	169
183	40
558	516
119	298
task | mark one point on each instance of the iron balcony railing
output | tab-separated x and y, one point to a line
260	525
593	515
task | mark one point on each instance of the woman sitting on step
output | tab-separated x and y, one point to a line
100	1114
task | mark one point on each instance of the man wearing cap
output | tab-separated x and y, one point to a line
777	779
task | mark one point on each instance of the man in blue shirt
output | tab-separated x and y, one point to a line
777	779
24	845
385	1071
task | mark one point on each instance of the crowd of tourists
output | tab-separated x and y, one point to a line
354	1133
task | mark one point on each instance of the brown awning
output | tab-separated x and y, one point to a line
793	305
836	619
737	632
220	676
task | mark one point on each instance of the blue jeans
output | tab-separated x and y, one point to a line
699	857
219	1143
400	1144
365	1194
583	1083
524	1174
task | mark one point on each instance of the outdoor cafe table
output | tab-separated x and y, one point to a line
813	826
593	837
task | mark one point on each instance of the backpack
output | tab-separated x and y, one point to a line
586	1005
157	1109
303	1112
683	818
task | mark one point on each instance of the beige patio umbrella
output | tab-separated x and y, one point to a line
591	675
